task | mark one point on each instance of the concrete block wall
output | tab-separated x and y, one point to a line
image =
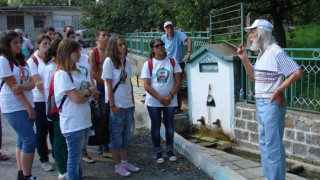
301	137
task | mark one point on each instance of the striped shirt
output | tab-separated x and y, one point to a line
273	64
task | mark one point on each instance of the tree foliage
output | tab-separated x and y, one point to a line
122	16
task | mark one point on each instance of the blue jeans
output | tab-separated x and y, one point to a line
271	129
168	117
75	141
26	138
43	128
105	112
120	128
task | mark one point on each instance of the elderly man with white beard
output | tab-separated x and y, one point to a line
269	72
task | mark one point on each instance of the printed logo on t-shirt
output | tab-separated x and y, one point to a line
84	70
162	75
83	85
24	75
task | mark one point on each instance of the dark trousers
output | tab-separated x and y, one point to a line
105	113
179	94
43	128
168	120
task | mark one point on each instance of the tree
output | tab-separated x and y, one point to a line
278	10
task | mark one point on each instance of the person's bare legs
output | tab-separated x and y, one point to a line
115	155
123	153
18	158
26	163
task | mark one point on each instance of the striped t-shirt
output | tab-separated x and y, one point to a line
273	64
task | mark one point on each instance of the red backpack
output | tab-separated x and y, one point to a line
52	111
35	60
96	52
173	63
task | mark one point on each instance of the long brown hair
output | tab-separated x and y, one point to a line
52	51
5	39
112	50
65	48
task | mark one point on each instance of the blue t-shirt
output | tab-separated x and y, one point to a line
174	45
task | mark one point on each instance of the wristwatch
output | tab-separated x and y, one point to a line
189	52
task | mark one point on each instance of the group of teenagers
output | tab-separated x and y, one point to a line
82	84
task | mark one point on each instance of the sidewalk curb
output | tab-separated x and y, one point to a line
202	160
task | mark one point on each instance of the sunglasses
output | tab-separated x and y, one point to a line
158	45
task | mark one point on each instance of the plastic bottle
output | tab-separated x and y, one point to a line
241	95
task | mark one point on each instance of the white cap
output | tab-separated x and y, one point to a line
18	31
167	23
261	24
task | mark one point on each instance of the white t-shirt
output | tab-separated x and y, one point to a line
272	65
122	96
73	116
49	70
162	80
26	43
40	70
9	102
84	65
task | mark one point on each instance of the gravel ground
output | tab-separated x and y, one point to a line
141	153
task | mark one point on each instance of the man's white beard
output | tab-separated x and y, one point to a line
255	46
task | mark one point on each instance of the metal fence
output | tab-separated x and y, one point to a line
226	24
139	42
305	93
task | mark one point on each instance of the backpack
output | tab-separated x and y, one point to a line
52	111
35	60
96	52
173	63
11	67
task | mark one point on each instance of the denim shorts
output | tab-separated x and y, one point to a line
120	128
23	126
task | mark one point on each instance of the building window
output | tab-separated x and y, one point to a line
39	21
15	22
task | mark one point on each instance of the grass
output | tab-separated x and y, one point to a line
304	36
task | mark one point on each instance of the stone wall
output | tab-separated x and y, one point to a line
301	137
137	62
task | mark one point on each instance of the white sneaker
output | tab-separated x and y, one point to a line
47	166
63	176
33	178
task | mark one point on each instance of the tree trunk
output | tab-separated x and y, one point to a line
280	34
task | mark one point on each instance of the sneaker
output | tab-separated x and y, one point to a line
47	166
33	178
63	176
107	155
122	171
130	167
87	159
159	158
171	156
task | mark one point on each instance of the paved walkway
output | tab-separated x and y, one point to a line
216	163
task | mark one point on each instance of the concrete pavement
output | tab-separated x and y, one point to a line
217	164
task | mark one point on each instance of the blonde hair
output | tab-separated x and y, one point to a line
65	48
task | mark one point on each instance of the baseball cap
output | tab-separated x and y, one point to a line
261	24
167	23
18	31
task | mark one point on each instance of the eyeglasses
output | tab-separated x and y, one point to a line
81	42
158	45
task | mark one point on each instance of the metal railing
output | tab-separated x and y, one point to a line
305	93
226	24
139	42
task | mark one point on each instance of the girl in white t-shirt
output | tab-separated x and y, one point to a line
117	72
17	100
75	114
161	77
59	143
43	126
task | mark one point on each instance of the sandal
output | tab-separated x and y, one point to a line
3	157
